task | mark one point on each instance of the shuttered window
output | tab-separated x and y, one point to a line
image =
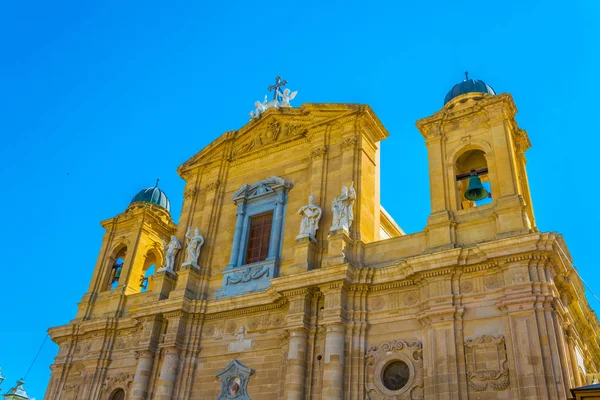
258	238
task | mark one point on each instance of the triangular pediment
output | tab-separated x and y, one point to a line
274	128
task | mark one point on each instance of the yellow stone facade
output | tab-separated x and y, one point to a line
479	305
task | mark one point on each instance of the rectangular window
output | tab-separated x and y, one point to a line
258	239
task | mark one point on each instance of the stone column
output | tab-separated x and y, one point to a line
168	374
296	364
142	375
277	225
237	235
573	357
333	368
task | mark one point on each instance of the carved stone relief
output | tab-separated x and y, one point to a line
394	371
121	380
411	298
487	364
466	286
234	381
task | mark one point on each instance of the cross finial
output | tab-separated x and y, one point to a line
278	83
466	75
156	182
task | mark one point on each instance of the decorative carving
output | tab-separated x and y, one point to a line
411	298
294	130
276	321
491	282
318	152
377	304
349	141
189	192
234	381
408	358
466	286
487	363
311	215
213	185
254	323
343	209
247	274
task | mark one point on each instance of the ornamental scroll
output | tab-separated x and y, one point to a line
487	364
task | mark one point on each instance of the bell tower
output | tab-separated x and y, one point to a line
131	252
478	181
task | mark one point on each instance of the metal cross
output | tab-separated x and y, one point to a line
278	83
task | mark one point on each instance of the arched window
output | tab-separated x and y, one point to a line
147	277
118	394
117	268
472	180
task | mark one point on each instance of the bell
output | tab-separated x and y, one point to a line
475	191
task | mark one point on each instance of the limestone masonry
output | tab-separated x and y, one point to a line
278	305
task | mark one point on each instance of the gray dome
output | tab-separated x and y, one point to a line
153	195
469	86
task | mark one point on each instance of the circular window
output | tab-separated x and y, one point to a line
395	375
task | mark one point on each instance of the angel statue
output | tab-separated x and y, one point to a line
342	208
311	214
171	250
194	243
286	96
260	108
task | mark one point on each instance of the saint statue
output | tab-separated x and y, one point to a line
311	214
194	243
342	208
171	250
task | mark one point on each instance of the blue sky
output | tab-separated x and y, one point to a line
99	98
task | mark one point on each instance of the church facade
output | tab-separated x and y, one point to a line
286	279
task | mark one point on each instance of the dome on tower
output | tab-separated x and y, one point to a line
153	195
468	86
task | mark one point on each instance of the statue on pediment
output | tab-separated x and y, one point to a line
286	96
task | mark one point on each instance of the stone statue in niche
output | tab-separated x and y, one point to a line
311	215
342	207
194	243
171	250
234	381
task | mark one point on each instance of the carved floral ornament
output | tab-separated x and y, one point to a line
394	371
487	364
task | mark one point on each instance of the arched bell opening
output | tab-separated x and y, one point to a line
148	271
116	268
473	187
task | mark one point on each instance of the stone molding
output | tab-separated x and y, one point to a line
486	350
